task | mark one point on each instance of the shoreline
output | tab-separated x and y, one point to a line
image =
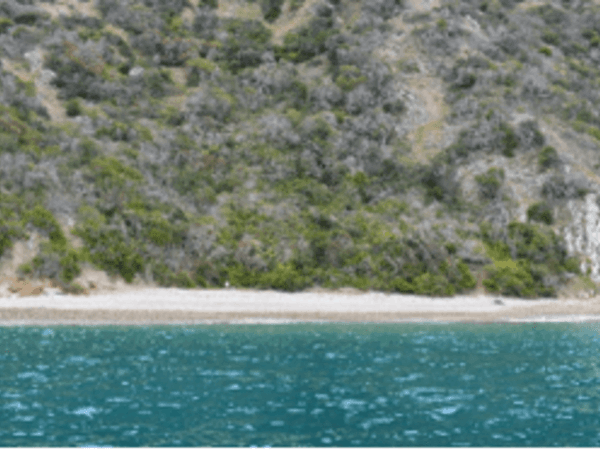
163	306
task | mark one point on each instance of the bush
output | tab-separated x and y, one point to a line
540	212
467	280
112	251
511	278
490	182
509	141
5	24
43	219
213	4
73	108
349	78
550	37
285	277
271	9
545	51
308	41
548	157
70	266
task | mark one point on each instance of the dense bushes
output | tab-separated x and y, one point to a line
529	261
308	41
490	182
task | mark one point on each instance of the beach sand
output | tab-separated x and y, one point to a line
143	305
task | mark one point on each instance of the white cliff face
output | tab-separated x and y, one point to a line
582	236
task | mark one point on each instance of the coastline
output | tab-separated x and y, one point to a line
152	305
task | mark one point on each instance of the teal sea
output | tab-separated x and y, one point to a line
301	385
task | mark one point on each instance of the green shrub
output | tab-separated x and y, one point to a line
548	157
545	51
540	212
43	219
110	172
202	64
550	37
8	231
25	269
349	78
213	4
429	284
271	9
73	108
285	277
511	278
509	141
442	24
73	288
70	266
166	278
307	42
490	182
5	24
467	280
110	250
296	4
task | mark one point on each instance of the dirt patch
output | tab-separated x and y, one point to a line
68	7
289	20
422	5
242	10
426	139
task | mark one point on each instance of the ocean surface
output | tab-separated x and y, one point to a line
301	385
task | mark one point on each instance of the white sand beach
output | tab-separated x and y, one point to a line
144	305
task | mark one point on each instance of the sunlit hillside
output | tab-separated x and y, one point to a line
435	148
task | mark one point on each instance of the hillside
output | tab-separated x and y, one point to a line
420	147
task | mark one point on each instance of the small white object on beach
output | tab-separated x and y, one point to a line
227	284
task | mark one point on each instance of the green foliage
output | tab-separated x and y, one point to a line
111	250
110	172
25	269
442	24
70	265
540	212
8	232
73	108
490	182
509	140
550	37
349	77
593	131
117	131
508	80
203	64
271	9
167	278
307	42
467	280
5	24
545	51
512	279
408	66
43	219
296	4
213	4
548	157
160	231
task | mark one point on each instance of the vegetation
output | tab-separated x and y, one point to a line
198	150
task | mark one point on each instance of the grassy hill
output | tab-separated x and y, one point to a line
397	145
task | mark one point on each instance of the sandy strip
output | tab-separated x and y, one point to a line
171	306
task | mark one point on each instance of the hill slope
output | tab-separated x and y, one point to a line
425	147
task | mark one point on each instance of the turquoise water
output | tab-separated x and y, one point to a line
301	385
